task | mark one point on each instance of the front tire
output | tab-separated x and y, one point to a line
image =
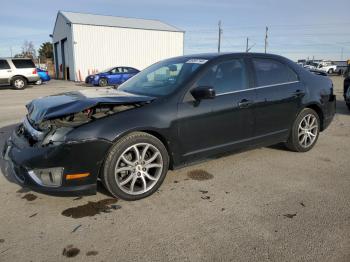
135	166
18	83
305	131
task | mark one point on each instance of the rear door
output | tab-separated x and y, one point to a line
5	71
278	96
219	124
127	73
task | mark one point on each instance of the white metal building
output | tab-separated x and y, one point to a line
87	43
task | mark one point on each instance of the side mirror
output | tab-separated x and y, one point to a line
203	92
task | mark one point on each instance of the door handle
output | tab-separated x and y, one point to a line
298	93
245	103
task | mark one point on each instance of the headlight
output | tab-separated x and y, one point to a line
50	177
57	135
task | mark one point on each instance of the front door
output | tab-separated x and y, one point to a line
222	123
5	71
115	76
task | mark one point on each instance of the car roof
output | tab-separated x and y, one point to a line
210	56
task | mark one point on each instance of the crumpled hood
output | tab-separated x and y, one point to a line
55	106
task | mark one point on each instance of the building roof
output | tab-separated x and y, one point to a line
117	21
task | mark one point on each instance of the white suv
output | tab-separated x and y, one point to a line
17	72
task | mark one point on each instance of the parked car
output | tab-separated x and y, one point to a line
311	65
17	72
44	76
173	113
327	66
111	76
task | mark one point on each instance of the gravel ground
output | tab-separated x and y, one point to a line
266	204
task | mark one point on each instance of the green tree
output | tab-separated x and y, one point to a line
45	50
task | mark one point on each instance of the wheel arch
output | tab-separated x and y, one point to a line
12	77
156	134
318	109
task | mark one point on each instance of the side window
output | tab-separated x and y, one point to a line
226	77
271	72
23	63
4	65
126	70
113	71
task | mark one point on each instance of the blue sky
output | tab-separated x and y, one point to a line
297	28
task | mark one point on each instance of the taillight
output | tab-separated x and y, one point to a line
34	72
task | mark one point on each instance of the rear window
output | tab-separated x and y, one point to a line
23	63
272	72
4	65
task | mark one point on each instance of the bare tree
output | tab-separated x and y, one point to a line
28	49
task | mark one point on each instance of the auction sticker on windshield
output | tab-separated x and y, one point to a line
197	61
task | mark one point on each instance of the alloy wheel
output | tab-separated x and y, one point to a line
138	168
19	83
308	131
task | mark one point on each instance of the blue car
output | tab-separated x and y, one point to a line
44	76
111	76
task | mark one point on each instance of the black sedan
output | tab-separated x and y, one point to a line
173	113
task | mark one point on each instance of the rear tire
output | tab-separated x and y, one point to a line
18	83
102	82
135	166
305	131
330	71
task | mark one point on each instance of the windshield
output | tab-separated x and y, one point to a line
162	78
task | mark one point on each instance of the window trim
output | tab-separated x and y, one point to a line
258	87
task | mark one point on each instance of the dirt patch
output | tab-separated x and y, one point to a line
91	253
2	241
325	159
70	251
199	175
29	197
91	208
290	215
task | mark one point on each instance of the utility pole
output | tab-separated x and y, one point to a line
266	30
220	33
247	45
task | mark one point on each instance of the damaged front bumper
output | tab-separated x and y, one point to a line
65	167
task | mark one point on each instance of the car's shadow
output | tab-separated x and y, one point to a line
6	87
7	171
